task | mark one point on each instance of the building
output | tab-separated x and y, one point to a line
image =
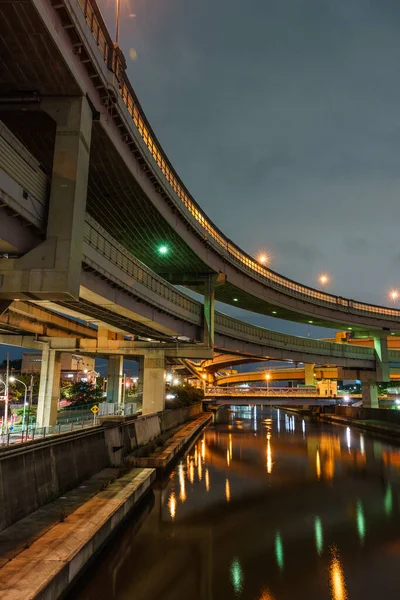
74	367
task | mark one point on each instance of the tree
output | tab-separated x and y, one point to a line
185	395
17	390
83	392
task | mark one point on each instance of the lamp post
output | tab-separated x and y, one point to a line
5	418
117	7
12	379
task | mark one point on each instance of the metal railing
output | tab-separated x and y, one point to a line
20	435
190	309
114	60
237	391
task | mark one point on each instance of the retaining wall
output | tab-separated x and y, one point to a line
37	472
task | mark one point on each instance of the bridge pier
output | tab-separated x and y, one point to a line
114	378
52	270
369	390
153	382
49	388
382	356
309	375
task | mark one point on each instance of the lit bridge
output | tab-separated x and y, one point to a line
89	198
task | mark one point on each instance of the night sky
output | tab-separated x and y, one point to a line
282	117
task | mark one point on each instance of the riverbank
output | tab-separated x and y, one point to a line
385	429
42	554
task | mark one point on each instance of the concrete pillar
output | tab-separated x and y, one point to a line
309	377
140	378
49	388
369	391
114	378
52	270
208	318
382	356
153	382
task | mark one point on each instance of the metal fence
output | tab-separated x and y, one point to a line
18	434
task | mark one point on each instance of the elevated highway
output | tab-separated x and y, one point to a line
294	374
88	198
62	48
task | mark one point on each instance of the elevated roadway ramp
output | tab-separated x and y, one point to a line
66	50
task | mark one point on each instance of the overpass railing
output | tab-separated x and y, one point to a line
238	391
190	309
115	61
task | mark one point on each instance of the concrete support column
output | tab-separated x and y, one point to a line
208	318
140	378
369	391
309	377
114	378
49	388
382	356
52	270
153	382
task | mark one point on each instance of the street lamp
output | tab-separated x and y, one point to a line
393	295
5	418
117	7
12	379
263	258
323	279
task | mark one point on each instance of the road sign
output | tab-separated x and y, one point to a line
95	409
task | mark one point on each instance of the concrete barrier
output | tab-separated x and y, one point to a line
378	414
34	474
37	472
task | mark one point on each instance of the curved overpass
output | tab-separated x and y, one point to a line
132	185
293	374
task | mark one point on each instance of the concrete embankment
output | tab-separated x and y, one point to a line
390	431
37	472
162	457
43	554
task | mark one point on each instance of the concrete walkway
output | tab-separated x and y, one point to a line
161	457
42	554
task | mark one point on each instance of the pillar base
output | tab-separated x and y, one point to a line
153	382
370	394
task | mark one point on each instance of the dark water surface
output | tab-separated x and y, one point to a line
265	506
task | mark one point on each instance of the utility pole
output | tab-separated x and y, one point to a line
5	422
30	401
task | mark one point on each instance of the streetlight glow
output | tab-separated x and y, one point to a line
163	249
393	295
324	279
263	258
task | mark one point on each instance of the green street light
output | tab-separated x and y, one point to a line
163	249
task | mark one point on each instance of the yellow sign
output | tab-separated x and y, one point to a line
95	409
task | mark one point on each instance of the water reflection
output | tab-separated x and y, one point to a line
336	575
319	536
282	493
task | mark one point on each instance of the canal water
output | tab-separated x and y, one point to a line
264	506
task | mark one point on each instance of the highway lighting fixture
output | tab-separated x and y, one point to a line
346	398
274	312
394	295
163	250
323	279
263	259
236	299
311	322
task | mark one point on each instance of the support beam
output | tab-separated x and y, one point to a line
153	382
369	390
114	378
309	375
52	270
382	356
209	311
49	389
